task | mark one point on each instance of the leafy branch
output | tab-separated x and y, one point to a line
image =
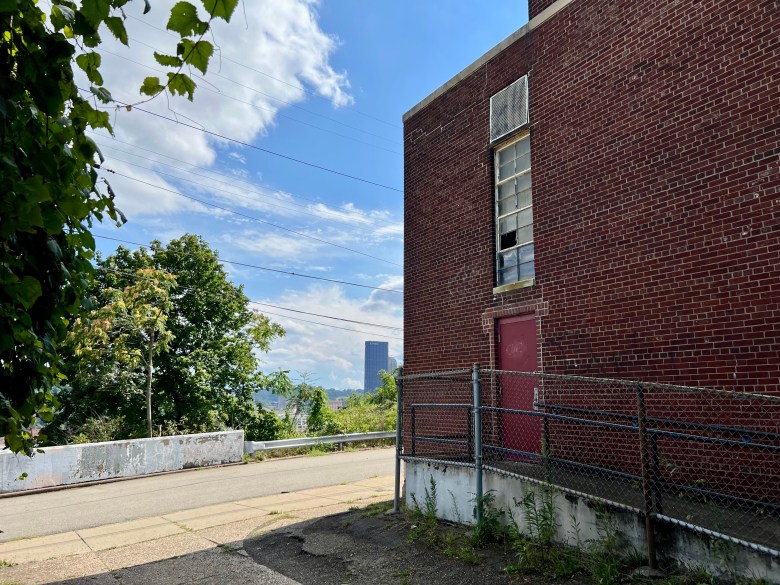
51	196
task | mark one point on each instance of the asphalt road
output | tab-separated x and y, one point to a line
86	507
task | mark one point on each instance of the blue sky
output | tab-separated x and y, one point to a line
322	82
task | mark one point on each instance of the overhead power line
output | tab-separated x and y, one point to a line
252	146
333	326
246	265
325	214
254	106
192	290
268	95
232	178
247	216
326	316
269	76
267	151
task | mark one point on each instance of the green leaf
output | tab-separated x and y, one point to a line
182	84
184	20
167	60
95	11
62	16
152	86
117	27
9	6
25	292
89	63
102	94
34	190
220	8
54	248
74	207
196	54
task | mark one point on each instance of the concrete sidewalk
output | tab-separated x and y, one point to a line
201	545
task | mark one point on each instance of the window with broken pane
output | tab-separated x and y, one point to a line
514	213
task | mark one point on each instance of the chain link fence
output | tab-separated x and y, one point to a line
703	458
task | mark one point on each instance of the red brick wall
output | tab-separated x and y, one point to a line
656	168
536	6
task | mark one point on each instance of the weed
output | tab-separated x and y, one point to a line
375	509
606	560
452	543
273	512
7	564
489	527
455	546
228	548
695	576
726	554
535	549
426	526
458	517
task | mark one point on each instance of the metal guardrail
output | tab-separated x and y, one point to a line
252	446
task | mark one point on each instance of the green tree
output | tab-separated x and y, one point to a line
207	378
122	338
51	190
373	411
387	393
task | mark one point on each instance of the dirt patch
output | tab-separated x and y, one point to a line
354	547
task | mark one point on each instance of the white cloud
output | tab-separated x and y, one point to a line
334	356
270	245
281	38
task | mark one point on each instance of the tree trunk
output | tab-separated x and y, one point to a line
149	386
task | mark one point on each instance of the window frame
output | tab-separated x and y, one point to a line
498	183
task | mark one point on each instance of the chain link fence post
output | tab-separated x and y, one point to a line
399	446
647	488
477	440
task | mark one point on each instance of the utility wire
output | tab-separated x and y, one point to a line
192	290
268	95
303	209
255	106
247	216
252	146
265	150
245	265
327	316
295	86
233	179
333	326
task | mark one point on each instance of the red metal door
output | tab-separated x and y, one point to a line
517	353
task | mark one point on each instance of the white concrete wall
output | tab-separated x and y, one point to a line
580	519
70	464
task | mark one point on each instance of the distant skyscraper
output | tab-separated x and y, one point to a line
376	359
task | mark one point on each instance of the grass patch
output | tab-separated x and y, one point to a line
7	564
452	542
376	509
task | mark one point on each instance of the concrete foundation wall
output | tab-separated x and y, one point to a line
72	464
580	520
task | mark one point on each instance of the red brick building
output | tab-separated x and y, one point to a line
622	217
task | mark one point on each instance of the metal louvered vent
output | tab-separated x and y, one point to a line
509	109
